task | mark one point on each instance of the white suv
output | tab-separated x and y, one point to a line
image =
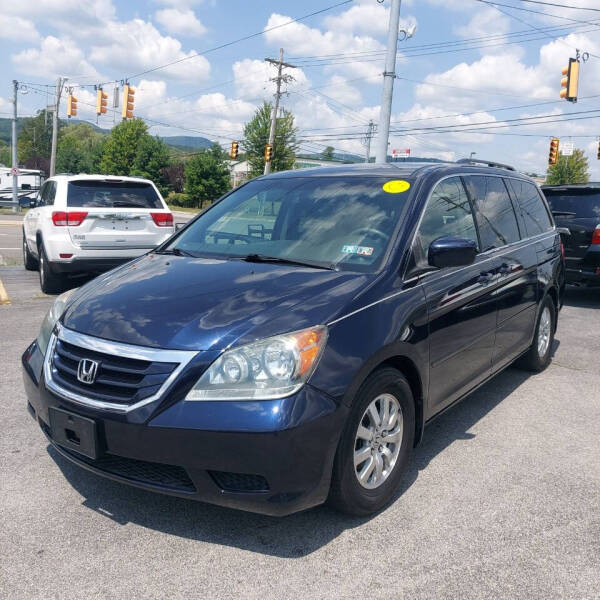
91	223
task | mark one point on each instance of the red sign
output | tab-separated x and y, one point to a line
401	152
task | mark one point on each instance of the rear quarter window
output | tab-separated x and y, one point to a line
533	210
101	194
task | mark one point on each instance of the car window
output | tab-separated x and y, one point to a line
50	193
42	194
534	212
579	203
118	194
494	211
448	213
346	222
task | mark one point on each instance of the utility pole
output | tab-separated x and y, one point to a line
286	79
59	86
388	83
372	128
15	164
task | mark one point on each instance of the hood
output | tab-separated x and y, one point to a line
184	303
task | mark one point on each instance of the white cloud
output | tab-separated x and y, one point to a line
17	29
55	57
339	89
178	21
487	22
137	46
299	39
365	16
62	15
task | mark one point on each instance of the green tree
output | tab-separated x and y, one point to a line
79	149
207	175
569	169
151	160
5	154
122	146
256	136
327	154
35	140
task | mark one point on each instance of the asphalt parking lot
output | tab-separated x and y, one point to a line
502	500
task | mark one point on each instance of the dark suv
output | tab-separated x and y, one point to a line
290	344
577	208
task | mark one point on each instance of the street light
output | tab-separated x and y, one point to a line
404	34
472	155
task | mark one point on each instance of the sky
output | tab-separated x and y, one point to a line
470	70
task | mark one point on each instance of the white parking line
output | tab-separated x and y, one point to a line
9	248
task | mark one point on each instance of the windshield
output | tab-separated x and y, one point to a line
583	204
347	223
123	194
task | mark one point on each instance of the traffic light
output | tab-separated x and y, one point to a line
553	156
234	150
268	152
127	110
71	106
101	102
570	81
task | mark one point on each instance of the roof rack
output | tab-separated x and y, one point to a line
487	163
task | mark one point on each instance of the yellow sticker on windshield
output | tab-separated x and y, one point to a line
396	186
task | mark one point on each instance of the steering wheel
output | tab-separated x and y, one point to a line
371	231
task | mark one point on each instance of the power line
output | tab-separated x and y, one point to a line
561	5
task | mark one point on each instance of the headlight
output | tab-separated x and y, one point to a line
271	368
52	316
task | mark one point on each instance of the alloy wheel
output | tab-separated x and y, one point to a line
544	331
378	440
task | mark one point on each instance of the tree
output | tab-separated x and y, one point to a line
569	169
327	154
79	149
175	176
207	175
256	136
121	147
5	154
35	141
151	160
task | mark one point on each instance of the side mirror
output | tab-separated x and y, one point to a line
451	251
32	203
563	230
179	226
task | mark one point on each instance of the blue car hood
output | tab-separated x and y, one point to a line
186	303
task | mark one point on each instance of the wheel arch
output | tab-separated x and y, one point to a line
409	369
552	292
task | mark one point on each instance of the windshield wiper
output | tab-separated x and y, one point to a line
261	258
563	213
176	252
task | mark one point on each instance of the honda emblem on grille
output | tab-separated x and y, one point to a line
87	370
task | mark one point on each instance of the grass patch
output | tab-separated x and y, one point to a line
183	209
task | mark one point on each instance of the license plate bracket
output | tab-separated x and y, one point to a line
74	432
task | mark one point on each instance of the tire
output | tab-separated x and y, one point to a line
347	493
537	358
30	262
49	281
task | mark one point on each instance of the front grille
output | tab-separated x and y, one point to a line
119	380
239	482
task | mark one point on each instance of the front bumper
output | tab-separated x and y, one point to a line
270	457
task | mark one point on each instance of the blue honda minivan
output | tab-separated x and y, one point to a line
289	345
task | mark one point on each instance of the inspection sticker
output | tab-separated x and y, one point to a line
361	250
396	186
